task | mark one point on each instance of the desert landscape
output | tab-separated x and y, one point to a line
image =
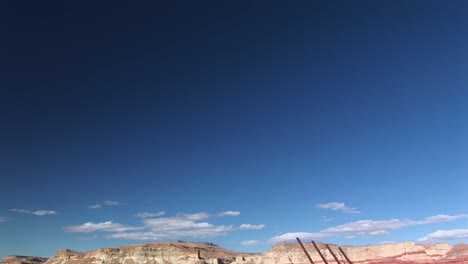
218	132
282	253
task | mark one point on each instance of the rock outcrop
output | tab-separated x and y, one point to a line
407	252
159	253
283	253
22	260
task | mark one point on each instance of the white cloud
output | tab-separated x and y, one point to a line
338	206
3	219
111	203
251	242
38	212
106	203
195	217
291	237
229	213
364	228
185	226
108	226
44	212
137	236
251	227
21	211
174	228
378	233
442	218
149	215
163	228
441	235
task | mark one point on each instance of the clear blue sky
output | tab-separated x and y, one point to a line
242	123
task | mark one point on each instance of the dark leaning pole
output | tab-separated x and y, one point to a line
346	257
333	254
305	251
320	253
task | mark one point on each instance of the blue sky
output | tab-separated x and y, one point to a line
243	124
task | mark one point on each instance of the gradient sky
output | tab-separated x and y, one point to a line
242	123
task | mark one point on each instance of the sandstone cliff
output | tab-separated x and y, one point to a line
22	260
404	252
161	253
284	253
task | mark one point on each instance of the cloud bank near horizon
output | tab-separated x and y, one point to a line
373	228
164	228
443	235
197	225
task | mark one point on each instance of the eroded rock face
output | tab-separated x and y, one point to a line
160	253
407	252
22	260
459	251
207	253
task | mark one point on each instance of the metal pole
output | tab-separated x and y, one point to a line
320	253
305	251
346	257
333	254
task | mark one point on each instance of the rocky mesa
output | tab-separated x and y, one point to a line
23	260
283	253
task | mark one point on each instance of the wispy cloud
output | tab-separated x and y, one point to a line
441	218
251	242
441	235
162	228
3	219
149	215
173	228
184	226
108	226
251	227
229	213
334	206
364	228
111	203
106	203
194	217
38	212
291	237
327	219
